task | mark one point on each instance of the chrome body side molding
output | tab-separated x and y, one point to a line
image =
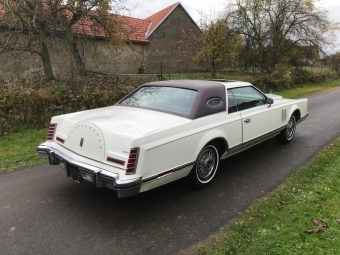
168	172
251	143
302	118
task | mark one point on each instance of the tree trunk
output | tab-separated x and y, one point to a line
45	56
79	62
213	69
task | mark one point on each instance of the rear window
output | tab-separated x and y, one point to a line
176	100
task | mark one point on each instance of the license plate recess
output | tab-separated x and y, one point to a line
73	173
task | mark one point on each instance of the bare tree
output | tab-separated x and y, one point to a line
32	25
25	27
93	18
272	28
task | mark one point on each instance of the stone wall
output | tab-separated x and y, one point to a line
167	45
98	56
174	44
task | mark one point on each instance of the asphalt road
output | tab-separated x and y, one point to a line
43	212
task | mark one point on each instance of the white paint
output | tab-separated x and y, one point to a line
166	141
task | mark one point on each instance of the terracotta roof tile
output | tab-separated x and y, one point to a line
137	30
158	17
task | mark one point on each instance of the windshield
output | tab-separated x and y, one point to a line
176	100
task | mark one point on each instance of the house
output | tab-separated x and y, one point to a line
166	40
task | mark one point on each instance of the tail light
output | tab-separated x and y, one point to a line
132	161
51	132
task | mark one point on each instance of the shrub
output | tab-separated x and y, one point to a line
32	103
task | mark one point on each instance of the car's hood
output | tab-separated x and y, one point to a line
110	131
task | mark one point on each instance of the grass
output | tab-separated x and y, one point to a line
279	222
17	150
309	89
317	69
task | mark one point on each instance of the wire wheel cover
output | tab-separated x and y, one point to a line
206	164
290	130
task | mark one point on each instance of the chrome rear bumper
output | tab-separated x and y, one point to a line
79	171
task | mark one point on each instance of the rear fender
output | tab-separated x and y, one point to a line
208	137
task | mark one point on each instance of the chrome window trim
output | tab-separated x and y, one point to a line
256	89
215	98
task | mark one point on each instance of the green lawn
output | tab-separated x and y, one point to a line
17	150
280	222
309	89
318	69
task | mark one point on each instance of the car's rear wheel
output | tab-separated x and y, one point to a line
205	168
288	133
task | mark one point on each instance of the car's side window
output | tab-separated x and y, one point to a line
248	97
231	102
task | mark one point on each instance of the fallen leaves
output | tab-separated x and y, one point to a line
338	220
320	223
313	230
3	165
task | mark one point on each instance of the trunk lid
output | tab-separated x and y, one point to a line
109	132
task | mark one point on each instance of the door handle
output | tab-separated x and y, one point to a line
247	121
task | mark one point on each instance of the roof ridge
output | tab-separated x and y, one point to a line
158	17
172	5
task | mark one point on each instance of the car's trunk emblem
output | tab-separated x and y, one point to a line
81	142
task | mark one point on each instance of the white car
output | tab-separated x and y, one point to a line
167	130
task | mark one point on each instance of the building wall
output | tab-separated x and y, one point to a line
98	56
174	44
167	45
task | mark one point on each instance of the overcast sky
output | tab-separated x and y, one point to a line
199	9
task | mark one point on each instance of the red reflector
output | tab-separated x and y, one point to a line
133	156
51	132
132	161
130	171
116	161
60	139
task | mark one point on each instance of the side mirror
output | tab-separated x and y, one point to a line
269	101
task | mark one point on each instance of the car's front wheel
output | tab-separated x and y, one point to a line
205	168
288	133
